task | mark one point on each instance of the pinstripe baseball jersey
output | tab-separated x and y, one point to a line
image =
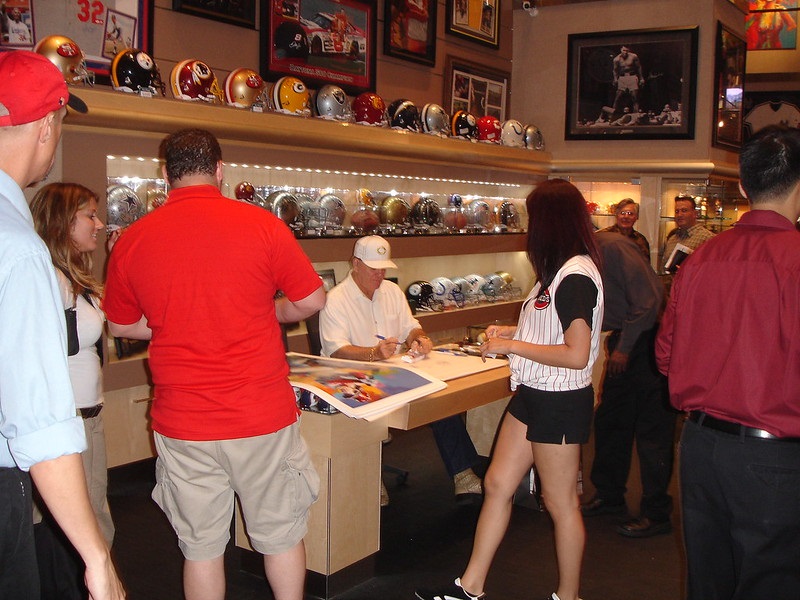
539	324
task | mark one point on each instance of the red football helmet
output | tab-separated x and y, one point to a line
245	191
369	109
489	129
194	80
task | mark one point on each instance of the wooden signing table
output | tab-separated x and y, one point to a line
344	525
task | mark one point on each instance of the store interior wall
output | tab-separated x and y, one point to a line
178	36
539	75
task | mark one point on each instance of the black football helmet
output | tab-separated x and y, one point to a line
135	71
421	297
404	114
426	212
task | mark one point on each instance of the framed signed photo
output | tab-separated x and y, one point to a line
99	29
475	20
320	42
409	30
475	88
632	84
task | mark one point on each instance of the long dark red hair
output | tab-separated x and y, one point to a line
559	228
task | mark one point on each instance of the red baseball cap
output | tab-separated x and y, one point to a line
32	87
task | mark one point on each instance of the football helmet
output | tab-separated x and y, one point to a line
463	125
284	205
393	210
365	219
512	134
534	140
123	206
426	212
479	214
291	96
435	120
244	88
369	109
67	56
245	191
448	292
489	129
404	114
330	102
134	71
494	287
290	41
462	285
333	210
155	199
507	215
475	285
507	277
421	297
194	80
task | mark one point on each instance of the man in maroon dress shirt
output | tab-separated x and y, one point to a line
730	344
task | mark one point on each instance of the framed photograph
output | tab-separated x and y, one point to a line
771	25
16	25
120	33
241	12
632	84
770	108
476	88
328	277
409	30
99	29
729	69
475	20
324	41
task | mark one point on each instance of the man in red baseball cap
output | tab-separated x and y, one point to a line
42	435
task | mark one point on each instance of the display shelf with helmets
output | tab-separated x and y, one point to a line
116	143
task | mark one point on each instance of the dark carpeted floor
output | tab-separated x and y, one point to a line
425	538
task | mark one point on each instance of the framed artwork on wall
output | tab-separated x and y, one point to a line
771	25
476	88
100	29
729	71
320	42
241	12
770	108
475	20
632	84
409	30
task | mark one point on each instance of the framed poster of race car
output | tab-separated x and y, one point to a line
320	42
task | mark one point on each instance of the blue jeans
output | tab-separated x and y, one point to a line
455	446
19	575
741	521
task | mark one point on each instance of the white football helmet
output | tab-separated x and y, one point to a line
512	134
447	291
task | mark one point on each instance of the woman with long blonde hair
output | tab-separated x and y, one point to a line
65	217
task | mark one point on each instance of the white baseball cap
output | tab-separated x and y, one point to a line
375	252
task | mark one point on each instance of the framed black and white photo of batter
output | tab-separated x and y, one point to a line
637	84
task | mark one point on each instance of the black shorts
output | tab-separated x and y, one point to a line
553	417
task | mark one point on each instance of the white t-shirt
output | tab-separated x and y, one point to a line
84	367
351	319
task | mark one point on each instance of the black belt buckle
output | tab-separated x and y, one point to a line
91	412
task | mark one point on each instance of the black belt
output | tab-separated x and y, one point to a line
91	412
706	420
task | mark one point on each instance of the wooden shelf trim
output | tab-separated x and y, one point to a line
118	111
474	315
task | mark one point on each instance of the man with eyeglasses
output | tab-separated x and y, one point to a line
627	213
688	232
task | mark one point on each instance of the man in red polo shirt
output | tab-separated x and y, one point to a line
730	344
199	276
